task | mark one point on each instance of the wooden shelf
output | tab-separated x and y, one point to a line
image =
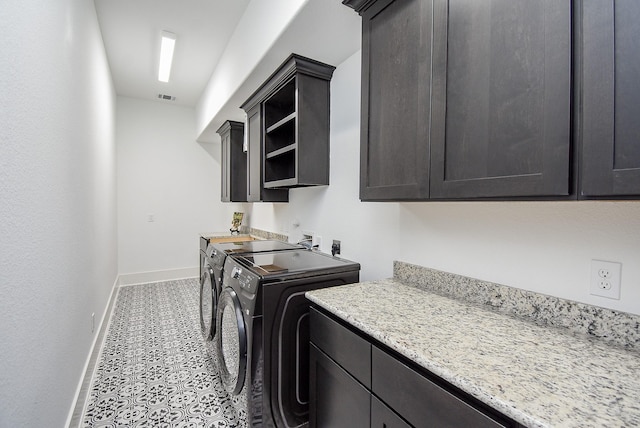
281	122
284	150
285	182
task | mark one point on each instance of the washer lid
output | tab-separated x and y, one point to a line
295	263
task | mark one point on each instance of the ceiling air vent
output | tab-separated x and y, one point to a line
166	97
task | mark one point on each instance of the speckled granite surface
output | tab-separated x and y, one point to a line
263	234
538	375
614	327
244	230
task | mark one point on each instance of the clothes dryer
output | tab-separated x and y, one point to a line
263	345
211	276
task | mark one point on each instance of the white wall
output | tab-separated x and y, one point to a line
260	25
544	247
368	231
57	204
164	172
267	34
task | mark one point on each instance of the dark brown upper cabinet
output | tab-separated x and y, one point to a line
233	162
610	116
465	99
501	92
256	192
292	107
396	99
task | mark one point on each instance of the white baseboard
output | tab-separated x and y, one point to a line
158	275
82	391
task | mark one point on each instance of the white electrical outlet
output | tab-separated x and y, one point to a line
307	237
605	279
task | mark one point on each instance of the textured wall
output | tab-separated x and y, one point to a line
57	204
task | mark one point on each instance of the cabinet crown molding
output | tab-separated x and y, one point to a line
293	64
230	124
358	5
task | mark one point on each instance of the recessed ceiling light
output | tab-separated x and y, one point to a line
167	46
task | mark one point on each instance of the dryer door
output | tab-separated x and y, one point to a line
208	303
232	342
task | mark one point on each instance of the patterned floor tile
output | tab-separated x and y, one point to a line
155	369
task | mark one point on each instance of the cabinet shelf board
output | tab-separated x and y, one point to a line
285	182
281	122
282	151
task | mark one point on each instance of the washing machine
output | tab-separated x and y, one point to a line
263	345
211	276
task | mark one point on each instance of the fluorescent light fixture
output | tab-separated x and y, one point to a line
166	55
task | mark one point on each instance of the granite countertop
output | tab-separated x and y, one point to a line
246	233
539	376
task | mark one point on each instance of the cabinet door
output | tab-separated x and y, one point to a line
384	417
237	174
337	400
233	163
501	98
396	77
610	131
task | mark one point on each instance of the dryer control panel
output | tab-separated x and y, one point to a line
241	279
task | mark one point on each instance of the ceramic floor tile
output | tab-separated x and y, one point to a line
155	369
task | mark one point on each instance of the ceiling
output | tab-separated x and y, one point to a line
131	32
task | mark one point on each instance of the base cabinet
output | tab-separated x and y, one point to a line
338	400
383	417
355	382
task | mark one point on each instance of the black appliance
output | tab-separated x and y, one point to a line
263	348
204	243
211	275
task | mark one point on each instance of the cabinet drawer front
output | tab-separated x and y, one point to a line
384	417
348	349
418	399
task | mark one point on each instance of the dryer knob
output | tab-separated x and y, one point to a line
235	273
